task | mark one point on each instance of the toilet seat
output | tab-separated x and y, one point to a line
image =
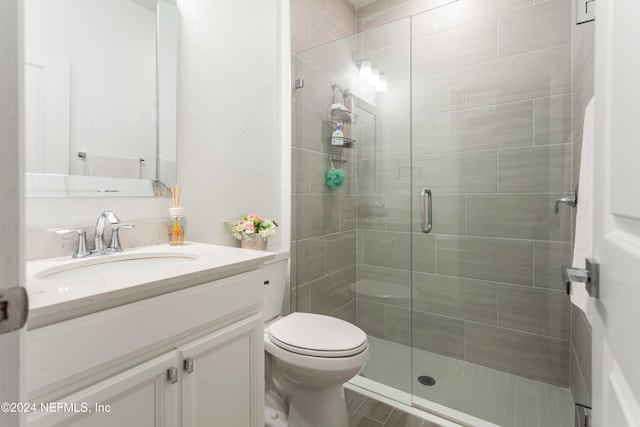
317	335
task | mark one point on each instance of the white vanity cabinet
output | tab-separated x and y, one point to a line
189	358
140	396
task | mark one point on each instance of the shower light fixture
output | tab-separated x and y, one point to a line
382	86
375	77
365	70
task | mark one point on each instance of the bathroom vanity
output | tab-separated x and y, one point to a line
177	342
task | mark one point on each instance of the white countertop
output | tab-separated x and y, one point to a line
52	301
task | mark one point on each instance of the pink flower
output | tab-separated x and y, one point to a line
253	217
249	227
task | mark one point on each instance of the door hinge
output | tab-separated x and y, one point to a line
172	375
188	365
14	309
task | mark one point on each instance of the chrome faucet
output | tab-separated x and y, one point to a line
105	216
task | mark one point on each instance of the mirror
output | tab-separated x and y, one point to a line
100	97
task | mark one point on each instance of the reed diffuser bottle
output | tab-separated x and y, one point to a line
177	220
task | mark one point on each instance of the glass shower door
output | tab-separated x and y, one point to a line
352	242
491	140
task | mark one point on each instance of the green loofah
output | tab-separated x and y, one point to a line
335	178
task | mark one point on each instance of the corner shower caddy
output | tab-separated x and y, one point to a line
339	114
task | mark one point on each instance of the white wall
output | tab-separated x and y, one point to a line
229	137
111	49
229	154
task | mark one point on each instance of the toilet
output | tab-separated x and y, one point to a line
308	357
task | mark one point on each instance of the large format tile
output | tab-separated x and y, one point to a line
490	127
517	216
581	338
379	176
438	92
579	390
387	249
423	253
552	118
527	355
394	61
384	36
455	297
316	215
399	213
398	324
384	285
331	292
538	311
463	11
347	212
371	317
310	259
438	334
472	43
347	312
532	75
341	251
372	212
449	214
548	259
540	26
544	169
309	128
498	260
473	172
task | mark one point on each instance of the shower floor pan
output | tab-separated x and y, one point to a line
498	397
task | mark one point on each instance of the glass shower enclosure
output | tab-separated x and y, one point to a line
467	320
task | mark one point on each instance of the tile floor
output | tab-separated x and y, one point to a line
504	399
367	412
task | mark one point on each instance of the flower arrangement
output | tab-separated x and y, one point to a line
251	226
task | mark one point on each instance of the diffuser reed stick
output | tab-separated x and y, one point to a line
175	195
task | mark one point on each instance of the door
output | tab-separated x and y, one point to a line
46	100
223	377
616	347
10	194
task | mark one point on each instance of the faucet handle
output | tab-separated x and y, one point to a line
114	246
82	249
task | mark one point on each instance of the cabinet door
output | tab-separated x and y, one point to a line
142	396
226	384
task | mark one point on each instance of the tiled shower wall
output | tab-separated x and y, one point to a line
583	75
491	108
323	246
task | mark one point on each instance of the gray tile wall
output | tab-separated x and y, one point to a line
323	247
492	132
583	52
491	135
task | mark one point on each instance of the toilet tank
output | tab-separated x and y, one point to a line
275	278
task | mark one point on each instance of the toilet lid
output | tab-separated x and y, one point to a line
317	335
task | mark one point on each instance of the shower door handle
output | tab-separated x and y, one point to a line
426	213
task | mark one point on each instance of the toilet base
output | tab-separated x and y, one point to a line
318	408
274	418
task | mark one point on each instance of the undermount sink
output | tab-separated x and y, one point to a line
116	265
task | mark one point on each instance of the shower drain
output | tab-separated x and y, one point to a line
426	380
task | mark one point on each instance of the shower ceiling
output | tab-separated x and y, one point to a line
360	3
